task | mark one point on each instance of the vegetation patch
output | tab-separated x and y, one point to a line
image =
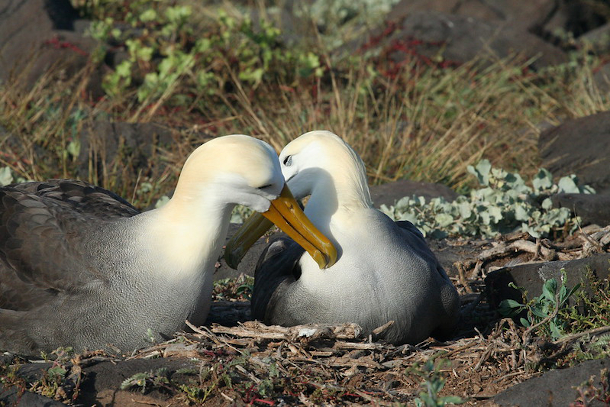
504	204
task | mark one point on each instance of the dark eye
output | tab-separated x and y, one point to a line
264	186
288	161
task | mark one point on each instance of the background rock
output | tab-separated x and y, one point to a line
579	146
389	193
531	277
593	209
554	388
527	14
459	39
38	34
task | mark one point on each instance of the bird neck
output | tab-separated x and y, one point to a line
333	202
342	190
187	234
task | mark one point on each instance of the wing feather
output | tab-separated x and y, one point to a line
43	227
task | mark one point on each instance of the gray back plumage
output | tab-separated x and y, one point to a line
45	234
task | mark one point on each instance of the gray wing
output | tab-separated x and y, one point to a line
278	266
450	299
419	245
42	229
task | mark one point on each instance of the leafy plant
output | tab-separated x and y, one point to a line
146	380
239	288
588	348
165	61
433	384
593	309
504	204
588	392
544	313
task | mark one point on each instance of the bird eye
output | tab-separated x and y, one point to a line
264	186
288	161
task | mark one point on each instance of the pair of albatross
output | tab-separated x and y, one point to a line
81	267
384	271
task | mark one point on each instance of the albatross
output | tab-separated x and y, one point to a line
384	271
81	267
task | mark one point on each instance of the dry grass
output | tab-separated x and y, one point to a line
425	124
408	120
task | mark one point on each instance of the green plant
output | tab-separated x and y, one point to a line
239	288
146	380
593	310
432	384
168	63
545	312
504	204
196	394
588	391
342	21
56	380
588	348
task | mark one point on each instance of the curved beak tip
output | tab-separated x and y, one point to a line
288	216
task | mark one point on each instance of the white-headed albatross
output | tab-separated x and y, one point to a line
81	267
384	272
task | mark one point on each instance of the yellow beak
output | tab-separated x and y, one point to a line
286	213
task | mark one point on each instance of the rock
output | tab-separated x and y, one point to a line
598	38
554	388
459	31
527	14
531	277
579	146
229	313
459	39
38	34
601	77
389	193
574	17
103	380
12	396
537	16
593	209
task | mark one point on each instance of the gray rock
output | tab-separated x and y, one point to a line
12	396
36	35
598	38
389	193
460	39
107	376
102	380
527	14
601	77
531	276
537	16
593	209
554	388
579	146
